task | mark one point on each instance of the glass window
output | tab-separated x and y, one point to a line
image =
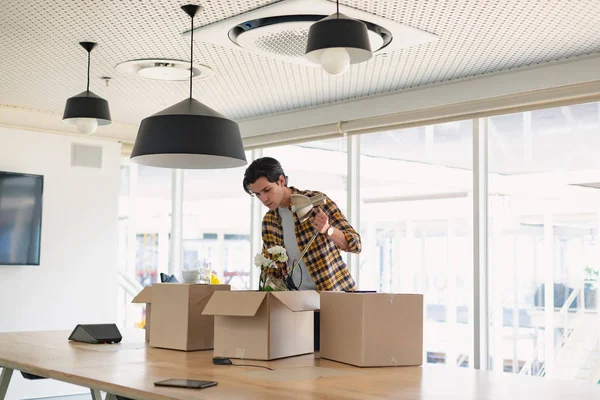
144	230
319	165
543	254
216	224
416	213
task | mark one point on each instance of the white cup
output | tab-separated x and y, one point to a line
190	275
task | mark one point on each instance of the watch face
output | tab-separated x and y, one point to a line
330	231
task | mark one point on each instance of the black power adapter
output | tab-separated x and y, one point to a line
222	361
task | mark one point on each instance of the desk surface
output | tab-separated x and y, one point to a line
130	368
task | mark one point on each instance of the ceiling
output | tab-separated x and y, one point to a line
42	64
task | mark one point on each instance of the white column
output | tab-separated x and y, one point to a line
218	257
527	138
353	193
371	279
548	267
255	230
163	244
403	273
452	354
497	264
176	221
133	218
515	321
480	244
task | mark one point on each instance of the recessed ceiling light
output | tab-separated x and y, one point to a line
286	35
164	69
280	30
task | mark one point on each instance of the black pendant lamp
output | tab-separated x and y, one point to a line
87	110
337	41
189	135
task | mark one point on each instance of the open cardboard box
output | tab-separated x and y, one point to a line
175	313
145	296
263	325
372	329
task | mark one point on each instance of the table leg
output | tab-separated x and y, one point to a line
4	381
96	395
110	396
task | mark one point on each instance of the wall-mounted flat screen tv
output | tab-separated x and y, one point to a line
20	218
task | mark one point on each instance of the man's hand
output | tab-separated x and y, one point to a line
321	222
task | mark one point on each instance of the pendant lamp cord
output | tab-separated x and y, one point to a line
88	71
191	56
338	8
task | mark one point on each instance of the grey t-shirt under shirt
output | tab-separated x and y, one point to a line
300	276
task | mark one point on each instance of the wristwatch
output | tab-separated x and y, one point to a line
330	231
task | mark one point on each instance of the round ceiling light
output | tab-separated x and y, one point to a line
164	70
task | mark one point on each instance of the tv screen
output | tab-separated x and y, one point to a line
20	218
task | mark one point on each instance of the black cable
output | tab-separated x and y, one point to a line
301	276
191	57
249	365
88	74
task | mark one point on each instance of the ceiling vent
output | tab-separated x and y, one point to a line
164	69
280	30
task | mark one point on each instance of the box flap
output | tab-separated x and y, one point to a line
305	300
145	296
208	293
234	303
199	300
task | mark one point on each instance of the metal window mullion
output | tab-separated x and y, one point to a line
549	279
176	221
353	199
133	218
255	227
480	245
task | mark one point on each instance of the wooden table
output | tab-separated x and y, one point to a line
130	368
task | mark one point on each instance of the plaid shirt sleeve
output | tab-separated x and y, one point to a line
271	236
339	221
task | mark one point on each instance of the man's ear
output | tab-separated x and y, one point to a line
281	181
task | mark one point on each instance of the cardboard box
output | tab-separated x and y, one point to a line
372	329
145	296
263	325
176	315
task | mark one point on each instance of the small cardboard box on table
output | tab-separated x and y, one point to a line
174	318
372	329
263	325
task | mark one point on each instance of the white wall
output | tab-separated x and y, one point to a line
76	281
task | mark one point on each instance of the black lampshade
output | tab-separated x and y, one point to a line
87	110
189	135
87	105
339	31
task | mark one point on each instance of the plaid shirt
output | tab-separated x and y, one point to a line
323	259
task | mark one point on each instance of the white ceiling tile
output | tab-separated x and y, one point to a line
42	64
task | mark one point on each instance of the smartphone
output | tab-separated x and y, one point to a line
186	383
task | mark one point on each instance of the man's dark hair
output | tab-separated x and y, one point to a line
265	166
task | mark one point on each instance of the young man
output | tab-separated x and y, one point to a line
322	267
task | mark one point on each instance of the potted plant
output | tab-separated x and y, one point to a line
277	254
